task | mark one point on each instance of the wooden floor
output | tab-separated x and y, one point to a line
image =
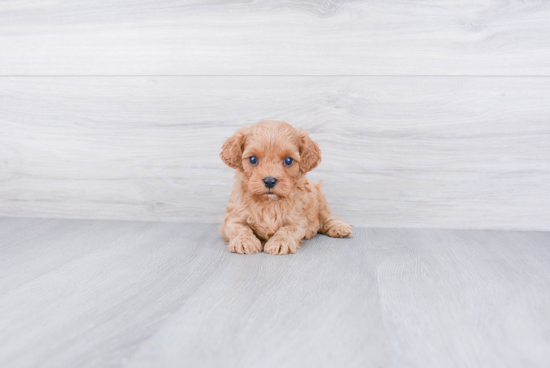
81	293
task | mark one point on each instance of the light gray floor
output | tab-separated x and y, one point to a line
80	293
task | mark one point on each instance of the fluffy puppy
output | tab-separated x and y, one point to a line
273	206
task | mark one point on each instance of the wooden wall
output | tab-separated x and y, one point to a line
429	113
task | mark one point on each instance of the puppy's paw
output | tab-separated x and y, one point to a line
339	230
245	243
280	244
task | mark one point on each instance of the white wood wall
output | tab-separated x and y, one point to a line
429	113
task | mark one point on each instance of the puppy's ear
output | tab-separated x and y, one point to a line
232	149
310	154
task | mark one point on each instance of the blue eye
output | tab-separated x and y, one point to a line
253	160
288	161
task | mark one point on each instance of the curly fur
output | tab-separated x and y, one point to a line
275	220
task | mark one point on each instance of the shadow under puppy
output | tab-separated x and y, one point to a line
273	206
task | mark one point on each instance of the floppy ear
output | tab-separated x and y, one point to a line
310	154
232	149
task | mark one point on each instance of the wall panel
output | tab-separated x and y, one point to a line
306	37
463	152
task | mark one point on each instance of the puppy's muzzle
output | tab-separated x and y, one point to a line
270	182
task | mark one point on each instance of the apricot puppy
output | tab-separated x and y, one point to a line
273	206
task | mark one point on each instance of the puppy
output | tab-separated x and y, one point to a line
273	206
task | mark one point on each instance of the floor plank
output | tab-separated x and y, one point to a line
397	151
307	37
138	294
481	298
320	306
94	306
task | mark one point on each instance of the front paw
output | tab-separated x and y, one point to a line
280	244
245	243
339	230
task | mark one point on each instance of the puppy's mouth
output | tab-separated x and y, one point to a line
272	196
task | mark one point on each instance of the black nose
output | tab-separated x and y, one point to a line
270	182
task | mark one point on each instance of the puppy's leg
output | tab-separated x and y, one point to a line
334	227
241	239
330	224
286	240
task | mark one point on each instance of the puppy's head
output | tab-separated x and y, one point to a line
272	156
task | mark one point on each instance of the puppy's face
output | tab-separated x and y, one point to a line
272	156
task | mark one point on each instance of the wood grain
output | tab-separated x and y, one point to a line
397	151
87	293
453	298
306	37
141	294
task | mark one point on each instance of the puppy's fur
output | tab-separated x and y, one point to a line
275	220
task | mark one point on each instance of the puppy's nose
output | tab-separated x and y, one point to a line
270	182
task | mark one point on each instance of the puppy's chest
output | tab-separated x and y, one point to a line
265	221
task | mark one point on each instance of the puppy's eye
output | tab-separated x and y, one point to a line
288	161
253	160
